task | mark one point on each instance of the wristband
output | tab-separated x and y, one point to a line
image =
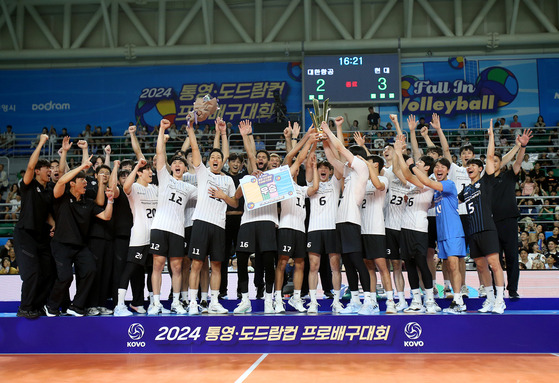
110	201
523	146
250	134
411	167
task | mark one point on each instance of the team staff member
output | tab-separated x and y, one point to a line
482	233
73	214
31	235
505	212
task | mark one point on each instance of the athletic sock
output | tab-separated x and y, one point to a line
176	297
500	292
151	297
278	296
297	294
312	295
184	296
204	296
458	299
336	295
355	296
416	295
401	296
447	284
366	298
373	298
156	299
193	295
490	293
390	295
268	296
121	296
244	296
214	297
434	283
429	296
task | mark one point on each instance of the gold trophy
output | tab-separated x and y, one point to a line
318	117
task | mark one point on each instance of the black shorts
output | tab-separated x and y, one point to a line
465	225
350	237
414	244
187	235
257	237
292	243
138	255
324	242
207	240
374	246
393	244
484	243
166	244
432	232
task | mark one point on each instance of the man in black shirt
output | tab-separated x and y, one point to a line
505	212
73	214
31	235
482	233
373	118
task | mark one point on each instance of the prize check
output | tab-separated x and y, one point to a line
272	186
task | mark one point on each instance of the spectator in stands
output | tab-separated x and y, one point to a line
6	248
527	165
550	263
373	118
540	123
259	144
280	144
527	186
537	174
463	129
4	182
554	235
523	239
64	133
53	136
535	253
108	136
86	133
36	142
550	182
6	268
552	250
173	133
524	259
8	138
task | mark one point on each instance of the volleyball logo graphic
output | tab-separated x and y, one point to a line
149	112
408	87
136	331
456	62
499	82
412	330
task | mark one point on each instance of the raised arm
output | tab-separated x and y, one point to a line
127	187
359	140
196	155
310	140
82	144
394	119
62	181
309	176
288	160
436	124
334	160
399	145
287	135
490	161
521	141
113	179
30	171
221	131
339	122
373	175
135	144
425	180
337	144
107	150
63	165
412	124
186	142
245	128
311	163
107	214
160	148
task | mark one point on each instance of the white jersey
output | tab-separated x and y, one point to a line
293	211
172	200
324	205
431	212
372	216
417	203
355	180
191	204
459	175
395	201
143	204
209	209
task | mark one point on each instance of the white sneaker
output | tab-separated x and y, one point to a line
391	307
297	304
269	306
104	311
138	309
401	305
178	308
243	307
193	308
92	311
499	307
455	308
337	307
352	308
481	291
415	308
369	308
155	309
279	307
122	311
431	307
465	291
313	307
487	307
217	308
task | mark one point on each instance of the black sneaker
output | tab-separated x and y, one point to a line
50	312
222	296
328	295
29	314
204	306
75	311
514	295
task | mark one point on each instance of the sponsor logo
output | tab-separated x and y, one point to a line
136	332
48	106
413	331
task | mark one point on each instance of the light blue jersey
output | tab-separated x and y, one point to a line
446	208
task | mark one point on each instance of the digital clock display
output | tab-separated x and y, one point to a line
352	78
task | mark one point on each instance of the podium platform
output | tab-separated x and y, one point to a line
472	332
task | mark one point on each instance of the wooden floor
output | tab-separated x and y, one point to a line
284	368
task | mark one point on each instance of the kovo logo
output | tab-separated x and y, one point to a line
136	332
47	106
413	331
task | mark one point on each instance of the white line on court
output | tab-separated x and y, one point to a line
555	354
251	368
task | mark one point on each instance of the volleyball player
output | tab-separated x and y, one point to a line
348	219
450	235
291	233
167	230
482	233
373	237
142	196
31	234
215	191
414	237
322	238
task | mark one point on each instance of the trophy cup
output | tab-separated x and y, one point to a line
318	117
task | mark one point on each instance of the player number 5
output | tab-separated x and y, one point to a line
470	207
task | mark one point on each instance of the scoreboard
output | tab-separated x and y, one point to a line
348	79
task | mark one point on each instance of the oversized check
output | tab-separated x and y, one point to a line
272	186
